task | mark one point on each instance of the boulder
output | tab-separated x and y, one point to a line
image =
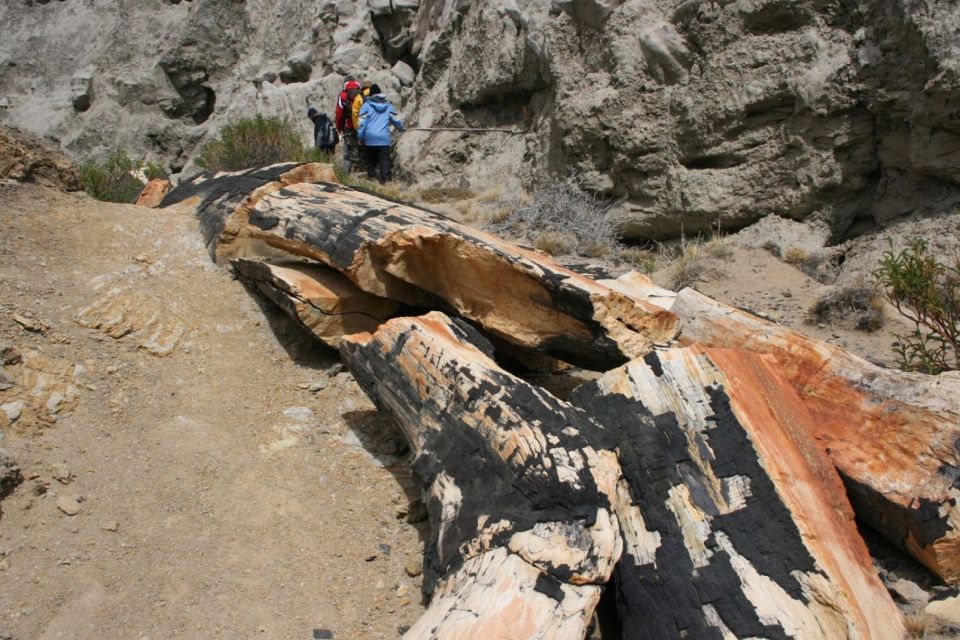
404	73
10	475
24	157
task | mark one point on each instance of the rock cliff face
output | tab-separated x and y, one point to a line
696	113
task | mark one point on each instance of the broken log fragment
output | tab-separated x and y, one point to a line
319	298
522	531
746	530
729	526
423	259
894	436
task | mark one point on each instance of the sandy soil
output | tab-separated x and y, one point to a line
217	498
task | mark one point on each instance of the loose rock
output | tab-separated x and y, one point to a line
69	505
13	410
9	354
61	473
413	568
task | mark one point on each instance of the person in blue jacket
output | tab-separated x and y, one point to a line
376	117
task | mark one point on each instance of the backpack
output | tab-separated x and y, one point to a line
327	136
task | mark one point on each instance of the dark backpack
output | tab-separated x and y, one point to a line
327	136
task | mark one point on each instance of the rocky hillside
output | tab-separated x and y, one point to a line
694	112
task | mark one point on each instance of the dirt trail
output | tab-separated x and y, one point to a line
244	506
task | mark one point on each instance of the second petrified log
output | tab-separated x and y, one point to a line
729	523
894	436
746	530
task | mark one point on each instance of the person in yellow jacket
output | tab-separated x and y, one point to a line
372	90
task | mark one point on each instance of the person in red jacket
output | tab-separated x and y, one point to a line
344	122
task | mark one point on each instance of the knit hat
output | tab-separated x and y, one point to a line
375	89
311	112
351	84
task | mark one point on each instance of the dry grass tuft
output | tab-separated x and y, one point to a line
858	306
434	195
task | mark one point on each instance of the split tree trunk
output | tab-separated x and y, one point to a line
422	259
745	529
894	436
522	531
726	518
319	298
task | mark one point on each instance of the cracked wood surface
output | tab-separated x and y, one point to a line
894	436
523	533
730	522
423	259
745	528
319	298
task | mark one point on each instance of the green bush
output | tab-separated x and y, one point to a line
112	180
254	142
927	292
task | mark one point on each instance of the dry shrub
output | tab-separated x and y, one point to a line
561	209
858	306
773	248
689	267
813	264
434	195
643	259
553	244
719	247
923	626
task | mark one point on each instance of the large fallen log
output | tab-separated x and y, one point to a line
319	298
423	259
753	533
522	531
894	436
723	535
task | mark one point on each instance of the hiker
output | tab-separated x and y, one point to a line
344	123
376	117
357	104
325	135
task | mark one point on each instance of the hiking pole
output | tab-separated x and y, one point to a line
468	129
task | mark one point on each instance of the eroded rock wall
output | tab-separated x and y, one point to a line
696	113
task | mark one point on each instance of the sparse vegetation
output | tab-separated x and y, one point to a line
773	248
114	179
690	265
573	221
433	195
257	142
927	292
643	259
859	306
813	264
923	626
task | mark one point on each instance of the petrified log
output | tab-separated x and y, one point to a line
321	299
894	436
522	531
153	193
214	195
420	258
745	529
723	535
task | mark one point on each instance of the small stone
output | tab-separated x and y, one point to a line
69	505
384	549
909	592
402	590
317	386
322	634
947	608
111	525
413	568
61	473
13	410
30	324
5	382
334	369
786	293
370	558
